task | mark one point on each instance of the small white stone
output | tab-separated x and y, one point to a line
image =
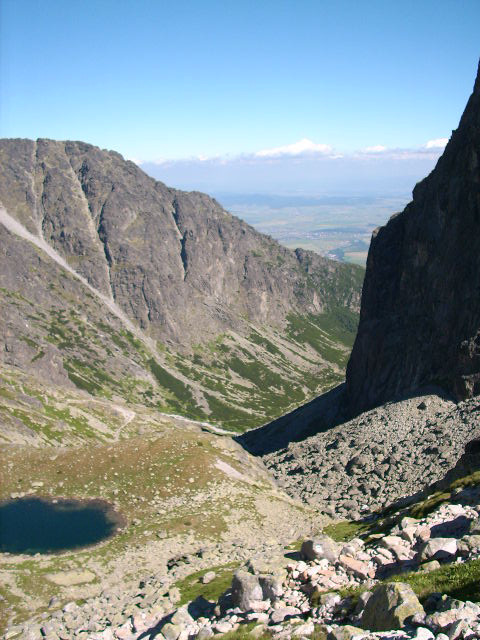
223	627
424	634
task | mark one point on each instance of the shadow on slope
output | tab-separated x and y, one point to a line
325	412
321	414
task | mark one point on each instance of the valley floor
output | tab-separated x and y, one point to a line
192	499
196	502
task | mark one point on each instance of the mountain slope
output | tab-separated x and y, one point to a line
126	287
420	315
189	499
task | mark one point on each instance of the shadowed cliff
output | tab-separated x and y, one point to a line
420	311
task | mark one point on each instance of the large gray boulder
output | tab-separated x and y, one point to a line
390	607
279	615
181	617
246	590
273	565
345	632
272	586
171	631
271	574
321	547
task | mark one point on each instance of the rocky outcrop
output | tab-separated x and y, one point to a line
390	606
321	547
420	314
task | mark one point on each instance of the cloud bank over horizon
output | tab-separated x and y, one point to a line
302	148
304	166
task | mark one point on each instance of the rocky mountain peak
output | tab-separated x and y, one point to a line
177	263
420	313
189	307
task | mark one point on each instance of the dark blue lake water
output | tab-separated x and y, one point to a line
36	525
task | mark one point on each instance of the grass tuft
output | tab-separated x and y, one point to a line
191	587
461	581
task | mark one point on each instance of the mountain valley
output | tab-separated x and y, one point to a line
143	327
119	369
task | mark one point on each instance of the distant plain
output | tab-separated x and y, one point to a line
338	227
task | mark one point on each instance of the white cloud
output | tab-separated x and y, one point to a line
377	148
437	143
305	150
200	158
304	146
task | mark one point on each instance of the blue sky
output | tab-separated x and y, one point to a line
162	80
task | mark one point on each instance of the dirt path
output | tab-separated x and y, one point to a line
207	425
128	416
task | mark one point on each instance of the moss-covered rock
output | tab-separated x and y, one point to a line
390	607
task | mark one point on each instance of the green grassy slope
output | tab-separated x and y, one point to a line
235	381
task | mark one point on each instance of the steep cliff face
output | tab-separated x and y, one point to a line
420	312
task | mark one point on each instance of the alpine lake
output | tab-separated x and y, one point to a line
31	524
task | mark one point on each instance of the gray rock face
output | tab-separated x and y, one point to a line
177	263
420	315
211	319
